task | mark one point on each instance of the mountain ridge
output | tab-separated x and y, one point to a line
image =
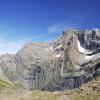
64	63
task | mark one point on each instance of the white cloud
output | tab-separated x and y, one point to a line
55	28
73	22
8	46
12	47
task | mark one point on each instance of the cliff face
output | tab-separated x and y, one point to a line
65	63
90	40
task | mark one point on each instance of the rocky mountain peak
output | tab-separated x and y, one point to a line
64	63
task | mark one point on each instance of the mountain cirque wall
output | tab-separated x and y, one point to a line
65	63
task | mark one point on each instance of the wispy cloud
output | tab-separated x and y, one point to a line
7	45
74	22
12	46
56	28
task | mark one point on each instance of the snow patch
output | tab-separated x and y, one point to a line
80	48
82	72
58	55
50	48
89	57
77	67
84	51
58	46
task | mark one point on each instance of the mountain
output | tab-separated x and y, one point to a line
64	63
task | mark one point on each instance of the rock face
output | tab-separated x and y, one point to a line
90	40
65	63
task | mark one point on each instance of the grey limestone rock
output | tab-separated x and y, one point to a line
56	65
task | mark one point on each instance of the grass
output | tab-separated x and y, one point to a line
88	97
4	84
43	95
88	91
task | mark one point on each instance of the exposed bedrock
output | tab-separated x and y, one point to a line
65	63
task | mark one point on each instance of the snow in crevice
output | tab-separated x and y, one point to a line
58	55
50	48
58	47
80	48
84	51
89	57
77	67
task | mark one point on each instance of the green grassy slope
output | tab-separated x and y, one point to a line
4	84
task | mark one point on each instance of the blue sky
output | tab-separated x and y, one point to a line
42	20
